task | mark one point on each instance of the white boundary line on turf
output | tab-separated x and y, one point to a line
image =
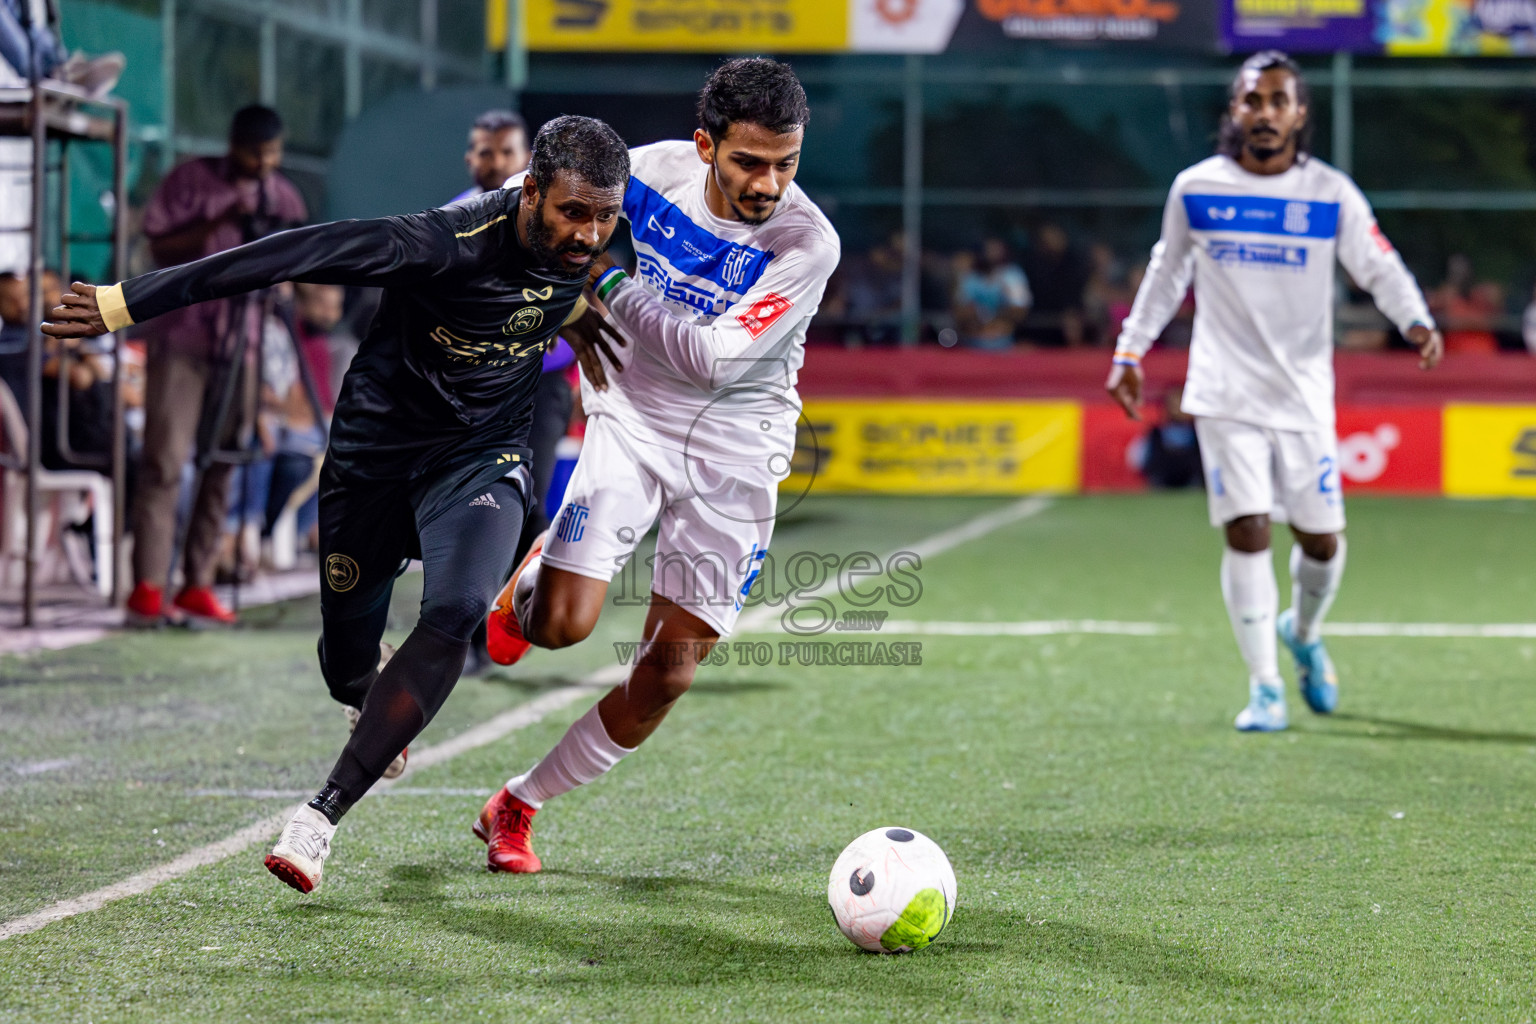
485	733
759	618
1049	627
1513	630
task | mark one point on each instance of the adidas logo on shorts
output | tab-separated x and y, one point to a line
485	499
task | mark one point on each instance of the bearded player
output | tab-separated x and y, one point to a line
696	431
1258	227
428	449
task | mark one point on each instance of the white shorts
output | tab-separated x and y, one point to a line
715	521
1290	476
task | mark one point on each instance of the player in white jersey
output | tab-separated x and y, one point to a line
696	430
1258	228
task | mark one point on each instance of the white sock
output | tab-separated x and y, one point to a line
1314	585
1253	600
583	754
525	584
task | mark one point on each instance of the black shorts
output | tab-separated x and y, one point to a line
370	529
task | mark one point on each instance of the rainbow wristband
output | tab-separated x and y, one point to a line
609	281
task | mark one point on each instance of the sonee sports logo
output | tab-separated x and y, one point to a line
573	523
764	314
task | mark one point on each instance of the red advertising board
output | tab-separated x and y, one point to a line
1391	448
1385	448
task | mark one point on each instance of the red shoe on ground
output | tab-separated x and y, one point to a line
503	633
146	605
201	603
506	827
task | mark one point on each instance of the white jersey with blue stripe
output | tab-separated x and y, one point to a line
1260	250
716	315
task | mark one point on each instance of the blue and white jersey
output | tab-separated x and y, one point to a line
716	315
1260	250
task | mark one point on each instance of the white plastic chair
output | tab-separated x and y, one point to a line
69	489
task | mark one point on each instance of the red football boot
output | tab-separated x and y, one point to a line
202	603
506	827
503	633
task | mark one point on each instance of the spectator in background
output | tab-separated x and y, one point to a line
1105	295
870	298
992	297
1466	311
1059	276
1528	324
317	313
498	149
204	206
1171	458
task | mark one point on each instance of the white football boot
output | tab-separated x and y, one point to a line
299	856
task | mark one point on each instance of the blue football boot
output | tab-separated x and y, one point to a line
1266	708
1314	669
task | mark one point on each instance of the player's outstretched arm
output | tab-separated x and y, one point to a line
77	315
390	250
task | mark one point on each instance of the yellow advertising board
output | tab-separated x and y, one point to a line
1490	451
1469	28
723	26
936	447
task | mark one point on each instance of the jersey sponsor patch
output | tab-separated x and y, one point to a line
689	249
1258	254
1262	215
573	523
764	313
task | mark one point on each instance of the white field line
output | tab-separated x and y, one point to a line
1050	627
487	732
1485	630
297	794
761	619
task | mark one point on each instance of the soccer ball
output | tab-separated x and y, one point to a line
892	891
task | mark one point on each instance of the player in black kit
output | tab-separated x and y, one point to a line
428	453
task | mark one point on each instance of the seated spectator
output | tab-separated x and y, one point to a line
97	76
1106	302
1059	275
1464	310
1171	458
90	376
992	297
871	296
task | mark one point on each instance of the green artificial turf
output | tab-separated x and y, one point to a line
1122	853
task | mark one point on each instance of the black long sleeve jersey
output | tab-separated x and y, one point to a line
449	366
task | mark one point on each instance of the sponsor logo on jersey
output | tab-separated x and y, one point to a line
701	302
486	501
1261	254
1262	215
764	313
341	573
524	320
734	267
573	523
529	295
688	249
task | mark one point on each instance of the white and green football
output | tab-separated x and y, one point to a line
892	890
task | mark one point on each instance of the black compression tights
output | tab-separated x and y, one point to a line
465	554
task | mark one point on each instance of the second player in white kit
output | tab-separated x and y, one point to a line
695	431
1258	229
